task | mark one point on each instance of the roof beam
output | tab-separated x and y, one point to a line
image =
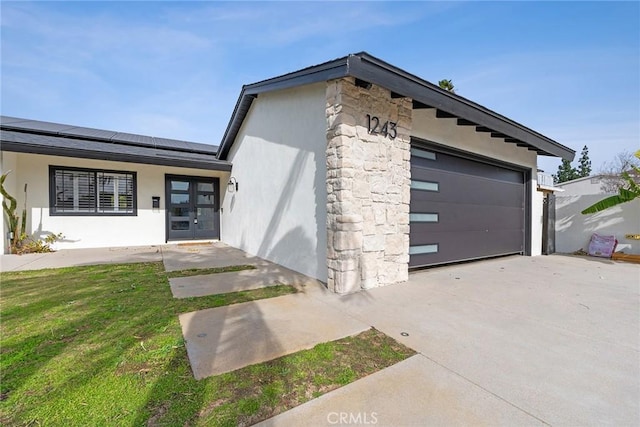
444	115
483	129
363	84
465	122
419	105
498	135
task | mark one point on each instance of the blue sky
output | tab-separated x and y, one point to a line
569	70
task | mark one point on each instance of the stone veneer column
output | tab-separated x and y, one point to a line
368	188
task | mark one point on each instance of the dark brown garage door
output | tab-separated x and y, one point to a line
463	209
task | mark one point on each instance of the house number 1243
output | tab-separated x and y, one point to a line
375	127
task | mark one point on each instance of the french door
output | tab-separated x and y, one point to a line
192	208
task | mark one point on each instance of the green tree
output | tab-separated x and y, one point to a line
566	172
629	191
584	164
446	85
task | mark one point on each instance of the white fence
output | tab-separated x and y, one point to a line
574	230
545	179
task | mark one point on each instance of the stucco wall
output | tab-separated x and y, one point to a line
577	187
147	228
446	132
279	210
574	230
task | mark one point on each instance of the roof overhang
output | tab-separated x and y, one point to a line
26	142
401	84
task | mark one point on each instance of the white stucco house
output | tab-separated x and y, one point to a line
352	172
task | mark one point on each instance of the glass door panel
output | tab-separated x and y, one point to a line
179	212
205	204
192	208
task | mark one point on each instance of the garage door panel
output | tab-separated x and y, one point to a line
464	209
464	217
454	246
446	162
454	186
494	241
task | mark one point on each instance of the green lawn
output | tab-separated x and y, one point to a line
102	345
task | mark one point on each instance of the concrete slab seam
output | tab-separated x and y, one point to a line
18	267
497	396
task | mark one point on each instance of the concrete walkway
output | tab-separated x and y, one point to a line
220	255
227	338
414	392
78	257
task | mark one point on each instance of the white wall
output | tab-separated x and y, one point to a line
279	161
574	230
146	228
580	186
447	132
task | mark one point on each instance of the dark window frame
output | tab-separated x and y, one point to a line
96	172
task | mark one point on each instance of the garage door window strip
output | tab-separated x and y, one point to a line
423	217
425	185
423	249
424	154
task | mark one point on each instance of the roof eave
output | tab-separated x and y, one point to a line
21	147
373	70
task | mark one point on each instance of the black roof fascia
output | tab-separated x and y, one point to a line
401	83
22	142
84	133
335	69
374	70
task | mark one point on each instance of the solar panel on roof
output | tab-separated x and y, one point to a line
37	125
100	135
88	133
170	143
7	119
186	145
213	149
133	138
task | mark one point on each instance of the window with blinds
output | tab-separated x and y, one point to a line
75	191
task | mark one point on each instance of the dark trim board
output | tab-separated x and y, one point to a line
475	192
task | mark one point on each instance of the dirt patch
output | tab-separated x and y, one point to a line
157	414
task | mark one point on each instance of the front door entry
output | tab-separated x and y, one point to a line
192	208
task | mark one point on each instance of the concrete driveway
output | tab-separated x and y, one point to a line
509	341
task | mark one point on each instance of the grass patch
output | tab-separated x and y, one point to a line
213	270
102	345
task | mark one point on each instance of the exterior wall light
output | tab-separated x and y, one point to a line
232	185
